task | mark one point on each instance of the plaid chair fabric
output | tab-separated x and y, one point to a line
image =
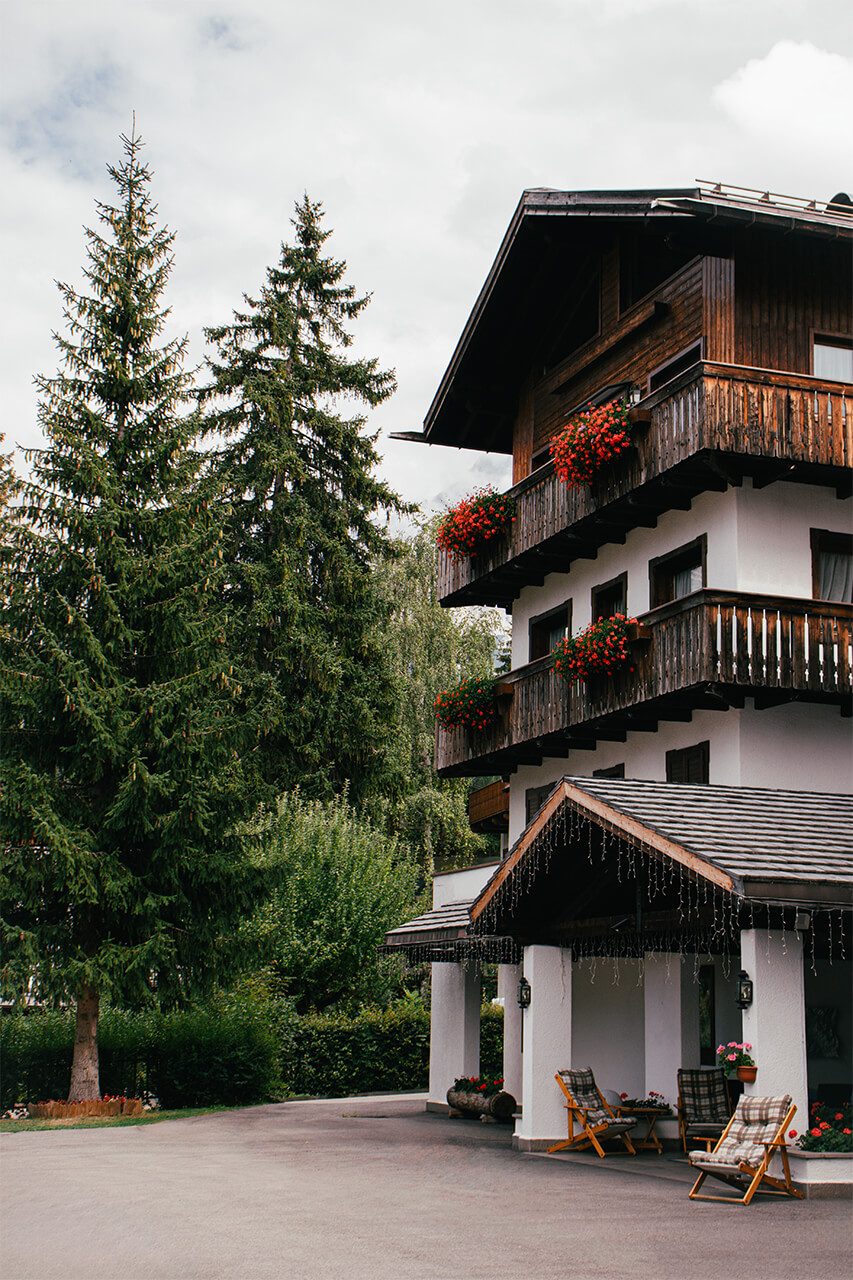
704	1096
581	1085
756	1121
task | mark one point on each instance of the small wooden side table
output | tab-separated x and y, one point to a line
650	1140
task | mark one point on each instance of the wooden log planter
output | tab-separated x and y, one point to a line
497	1108
92	1107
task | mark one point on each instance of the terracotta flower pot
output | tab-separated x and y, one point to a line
746	1074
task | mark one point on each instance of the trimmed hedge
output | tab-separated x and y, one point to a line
377	1051
232	1054
197	1057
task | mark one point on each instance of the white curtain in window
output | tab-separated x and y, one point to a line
686	580
835	572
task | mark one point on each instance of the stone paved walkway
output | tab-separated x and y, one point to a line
377	1189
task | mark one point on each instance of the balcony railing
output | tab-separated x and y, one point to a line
710	649
709	427
488	807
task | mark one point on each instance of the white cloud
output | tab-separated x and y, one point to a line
798	99
417	126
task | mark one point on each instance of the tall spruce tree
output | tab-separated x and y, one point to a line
306	530
122	773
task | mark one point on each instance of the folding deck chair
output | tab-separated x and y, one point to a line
704	1105
586	1104
755	1133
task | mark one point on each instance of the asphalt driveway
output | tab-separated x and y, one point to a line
376	1188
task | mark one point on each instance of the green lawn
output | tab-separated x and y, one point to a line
107	1122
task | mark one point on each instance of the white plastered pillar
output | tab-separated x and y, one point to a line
547	1024
671	999
508	979
454	1038
775	1023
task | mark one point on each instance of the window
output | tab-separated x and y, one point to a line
615	771
547	630
610	598
832	565
678	573
692	764
832	358
534	798
684	360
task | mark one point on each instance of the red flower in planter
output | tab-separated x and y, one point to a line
599	650
590	439
475	521
472	705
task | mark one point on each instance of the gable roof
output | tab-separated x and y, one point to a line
764	846
545	219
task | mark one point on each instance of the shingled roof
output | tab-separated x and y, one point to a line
763	845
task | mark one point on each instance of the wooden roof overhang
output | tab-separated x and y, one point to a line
442	934
550	233
622	867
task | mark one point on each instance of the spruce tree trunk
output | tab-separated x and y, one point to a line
85	1085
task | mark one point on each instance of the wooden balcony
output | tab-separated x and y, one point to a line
708	428
709	650
488	807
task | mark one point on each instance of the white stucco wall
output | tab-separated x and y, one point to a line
800	746
775	1024
460	886
454	1043
758	541
774	547
608	1024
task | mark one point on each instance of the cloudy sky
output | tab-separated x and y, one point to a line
417	126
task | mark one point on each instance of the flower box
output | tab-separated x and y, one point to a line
55	1110
474	704
474	522
602	649
822	1174
589	440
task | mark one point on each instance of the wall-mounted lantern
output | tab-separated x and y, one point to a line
744	990
524	993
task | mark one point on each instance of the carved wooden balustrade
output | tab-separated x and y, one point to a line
709	427
710	649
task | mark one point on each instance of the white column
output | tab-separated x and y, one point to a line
775	1022
508	979
671	1021
547	1047
454	1036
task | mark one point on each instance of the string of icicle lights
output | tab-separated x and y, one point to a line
708	919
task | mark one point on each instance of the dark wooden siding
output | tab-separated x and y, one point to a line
786	290
697	303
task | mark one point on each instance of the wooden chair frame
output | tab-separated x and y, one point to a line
757	1174
588	1135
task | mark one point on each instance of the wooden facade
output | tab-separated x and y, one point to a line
702	310
710	426
710	649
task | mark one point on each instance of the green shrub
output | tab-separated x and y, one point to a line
225	1055
492	1042
375	1051
36	1057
